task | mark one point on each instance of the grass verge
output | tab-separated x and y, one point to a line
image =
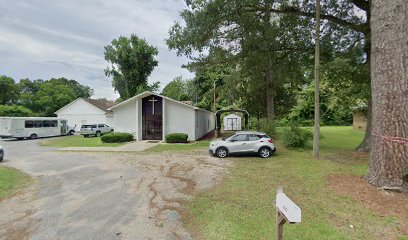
11	181
242	207
77	141
164	147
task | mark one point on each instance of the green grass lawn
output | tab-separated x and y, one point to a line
241	207
77	141
178	146
11	181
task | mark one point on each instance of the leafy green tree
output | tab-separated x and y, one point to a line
15	111
131	62
184	97
28	90
347	20
9	90
256	42
175	88
46	97
271	36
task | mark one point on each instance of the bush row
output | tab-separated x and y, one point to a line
176	138
117	137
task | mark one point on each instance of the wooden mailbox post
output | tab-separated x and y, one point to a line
286	212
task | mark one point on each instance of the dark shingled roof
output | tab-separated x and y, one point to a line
101	104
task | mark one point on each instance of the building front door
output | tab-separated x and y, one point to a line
152	125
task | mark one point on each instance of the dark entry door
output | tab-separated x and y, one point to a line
152	127
152	118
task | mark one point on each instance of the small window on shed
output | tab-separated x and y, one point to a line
208	123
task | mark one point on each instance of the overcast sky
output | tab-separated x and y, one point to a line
49	38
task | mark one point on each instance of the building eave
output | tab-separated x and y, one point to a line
148	93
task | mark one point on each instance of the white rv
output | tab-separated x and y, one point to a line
33	127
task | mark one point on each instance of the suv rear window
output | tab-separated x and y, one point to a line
88	126
254	137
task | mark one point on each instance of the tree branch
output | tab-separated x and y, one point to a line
359	27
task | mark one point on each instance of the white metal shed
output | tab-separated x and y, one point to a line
232	122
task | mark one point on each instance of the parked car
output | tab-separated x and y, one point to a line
95	129
243	142
1	153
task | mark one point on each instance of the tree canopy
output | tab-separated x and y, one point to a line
177	89
9	90
131	61
41	97
260	54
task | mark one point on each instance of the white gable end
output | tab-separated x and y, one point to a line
80	112
80	106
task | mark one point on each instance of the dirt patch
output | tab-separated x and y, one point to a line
385	203
349	157
18	223
172	180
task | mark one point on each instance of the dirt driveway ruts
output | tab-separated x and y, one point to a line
104	195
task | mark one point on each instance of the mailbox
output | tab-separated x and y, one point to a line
288	208
286	211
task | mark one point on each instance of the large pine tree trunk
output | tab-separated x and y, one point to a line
389	82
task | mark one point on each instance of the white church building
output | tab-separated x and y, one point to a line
150	116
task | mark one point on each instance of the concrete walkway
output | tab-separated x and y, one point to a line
130	147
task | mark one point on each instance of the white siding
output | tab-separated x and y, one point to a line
81	112
125	118
205	123
139	119
110	121
179	119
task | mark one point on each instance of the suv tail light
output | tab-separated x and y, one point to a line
270	140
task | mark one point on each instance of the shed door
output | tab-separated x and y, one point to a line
232	124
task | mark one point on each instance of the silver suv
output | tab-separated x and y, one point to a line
95	129
243	142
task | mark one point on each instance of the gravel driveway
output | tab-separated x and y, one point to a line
104	195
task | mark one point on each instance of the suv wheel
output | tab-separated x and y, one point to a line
222	152
264	152
98	134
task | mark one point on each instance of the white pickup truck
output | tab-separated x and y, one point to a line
95	130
